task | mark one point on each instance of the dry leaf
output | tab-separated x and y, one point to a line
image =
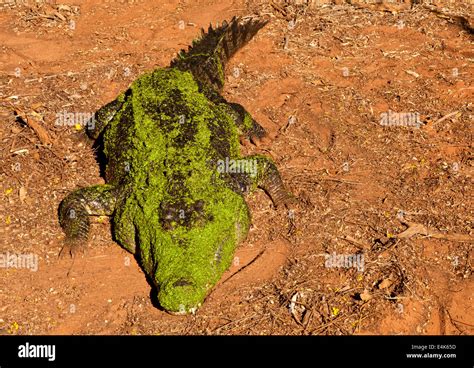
365	296
22	194
385	284
411	72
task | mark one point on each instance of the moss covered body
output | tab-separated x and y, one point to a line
162	148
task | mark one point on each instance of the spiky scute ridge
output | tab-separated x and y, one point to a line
207	57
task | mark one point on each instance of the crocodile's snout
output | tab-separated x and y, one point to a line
181	296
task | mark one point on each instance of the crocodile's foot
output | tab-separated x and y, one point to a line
73	248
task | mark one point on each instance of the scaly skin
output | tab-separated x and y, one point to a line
174	203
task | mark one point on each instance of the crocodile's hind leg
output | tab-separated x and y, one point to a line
75	209
260	171
244	121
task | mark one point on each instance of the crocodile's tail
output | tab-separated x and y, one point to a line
207	57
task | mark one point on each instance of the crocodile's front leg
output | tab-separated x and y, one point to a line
104	116
75	209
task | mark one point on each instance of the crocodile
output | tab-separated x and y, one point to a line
174	177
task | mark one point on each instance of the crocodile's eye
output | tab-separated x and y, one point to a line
199	205
169	214
182	282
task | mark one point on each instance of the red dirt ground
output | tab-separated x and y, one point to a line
318	79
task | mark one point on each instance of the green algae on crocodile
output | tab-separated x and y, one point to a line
173	205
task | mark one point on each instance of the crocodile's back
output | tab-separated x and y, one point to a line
166	125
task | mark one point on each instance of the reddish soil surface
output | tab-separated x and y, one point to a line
319	79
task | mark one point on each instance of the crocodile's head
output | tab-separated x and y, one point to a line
184	247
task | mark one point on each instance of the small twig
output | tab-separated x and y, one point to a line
419	229
321	328
278	8
234	322
463	323
445	117
33	124
342	181
355	242
454	322
244	267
